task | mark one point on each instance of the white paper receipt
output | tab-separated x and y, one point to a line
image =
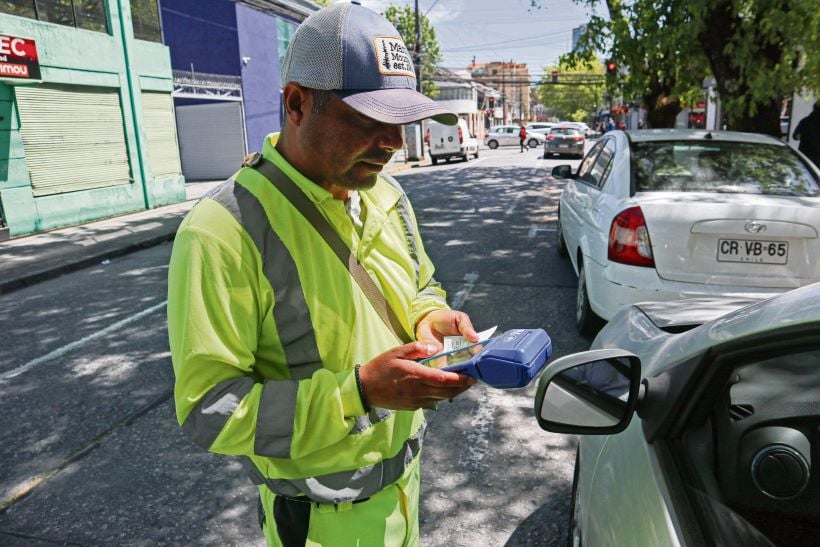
455	342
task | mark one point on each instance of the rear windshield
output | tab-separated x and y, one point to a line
563	131
728	167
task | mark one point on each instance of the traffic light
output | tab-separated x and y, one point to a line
492	102
555	76
611	67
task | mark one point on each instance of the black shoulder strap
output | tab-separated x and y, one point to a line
308	210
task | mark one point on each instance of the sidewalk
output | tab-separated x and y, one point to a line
31	259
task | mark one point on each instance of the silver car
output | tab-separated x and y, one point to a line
564	139
507	135
727	428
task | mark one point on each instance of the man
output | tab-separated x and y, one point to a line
286	337
808	132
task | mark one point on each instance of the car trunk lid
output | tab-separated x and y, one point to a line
733	239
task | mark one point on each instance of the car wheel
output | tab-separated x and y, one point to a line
465	157
532	143
435	161
476	153
562	245
585	319
574	536
493	145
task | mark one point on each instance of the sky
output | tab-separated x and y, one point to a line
496	30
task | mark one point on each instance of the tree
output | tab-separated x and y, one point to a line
657	64
758	51
404	19
579	90
322	3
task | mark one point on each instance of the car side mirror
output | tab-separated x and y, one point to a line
589	393
562	171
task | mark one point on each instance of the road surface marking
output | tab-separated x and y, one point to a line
59	352
467	164
464	292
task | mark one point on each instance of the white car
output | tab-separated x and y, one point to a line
450	141
664	214
540	127
507	135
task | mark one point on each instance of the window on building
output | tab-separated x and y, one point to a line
284	34
86	14
145	17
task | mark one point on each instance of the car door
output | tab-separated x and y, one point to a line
574	201
506	136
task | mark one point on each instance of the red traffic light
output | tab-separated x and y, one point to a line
492	102
610	67
555	76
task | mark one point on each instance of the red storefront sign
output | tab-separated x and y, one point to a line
18	58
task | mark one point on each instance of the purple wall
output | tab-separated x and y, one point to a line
202	32
260	76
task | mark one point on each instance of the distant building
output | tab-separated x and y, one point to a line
512	80
577	32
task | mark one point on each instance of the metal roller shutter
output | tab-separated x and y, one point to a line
73	138
211	139
161	134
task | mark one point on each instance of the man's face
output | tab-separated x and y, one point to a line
346	148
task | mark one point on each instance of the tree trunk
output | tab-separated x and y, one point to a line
662	111
766	120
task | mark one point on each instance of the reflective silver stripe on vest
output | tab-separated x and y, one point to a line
206	420
373	417
275	417
290	311
355	484
403	208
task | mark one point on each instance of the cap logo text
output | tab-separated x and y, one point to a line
393	57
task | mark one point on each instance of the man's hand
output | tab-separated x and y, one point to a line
437	324
392	380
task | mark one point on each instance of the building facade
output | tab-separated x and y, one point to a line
512	80
86	117
226	57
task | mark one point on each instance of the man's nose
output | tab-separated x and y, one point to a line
391	137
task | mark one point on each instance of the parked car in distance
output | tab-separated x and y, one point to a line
723	450
564	139
585	129
450	141
666	214
540	127
507	135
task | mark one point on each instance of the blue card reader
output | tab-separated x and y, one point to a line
509	360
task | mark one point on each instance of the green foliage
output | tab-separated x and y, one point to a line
322	3
404	19
758	51
578	92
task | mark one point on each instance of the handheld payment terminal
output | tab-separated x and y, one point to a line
509	360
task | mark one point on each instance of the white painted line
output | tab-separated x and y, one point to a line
464	292
467	164
514	203
477	443
77	343
535	229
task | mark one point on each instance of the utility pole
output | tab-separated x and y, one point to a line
417	51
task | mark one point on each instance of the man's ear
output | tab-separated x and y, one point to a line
297	102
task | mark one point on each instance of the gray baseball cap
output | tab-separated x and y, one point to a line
361	57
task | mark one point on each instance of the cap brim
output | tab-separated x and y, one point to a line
397	106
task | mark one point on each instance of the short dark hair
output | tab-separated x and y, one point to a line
320	99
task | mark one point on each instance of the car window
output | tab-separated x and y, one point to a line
588	162
720	166
571	131
600	169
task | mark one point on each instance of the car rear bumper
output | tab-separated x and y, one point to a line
554	149
617	286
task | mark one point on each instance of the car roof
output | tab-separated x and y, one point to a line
648	135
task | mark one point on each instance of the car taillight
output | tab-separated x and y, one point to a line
579	139
486	135
550	138
629	239
460	136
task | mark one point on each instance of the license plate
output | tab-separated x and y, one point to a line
755	251
439	146
563	146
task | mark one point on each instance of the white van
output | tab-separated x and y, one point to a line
450	141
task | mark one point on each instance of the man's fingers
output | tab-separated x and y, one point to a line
465	327
414	350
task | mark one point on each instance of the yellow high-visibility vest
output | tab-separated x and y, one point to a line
266	325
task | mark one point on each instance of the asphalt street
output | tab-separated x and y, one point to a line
90	450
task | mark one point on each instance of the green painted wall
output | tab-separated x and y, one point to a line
82	57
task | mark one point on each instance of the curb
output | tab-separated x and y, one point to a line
91	260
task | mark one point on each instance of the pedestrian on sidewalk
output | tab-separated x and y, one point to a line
293	286
522	136
808	133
